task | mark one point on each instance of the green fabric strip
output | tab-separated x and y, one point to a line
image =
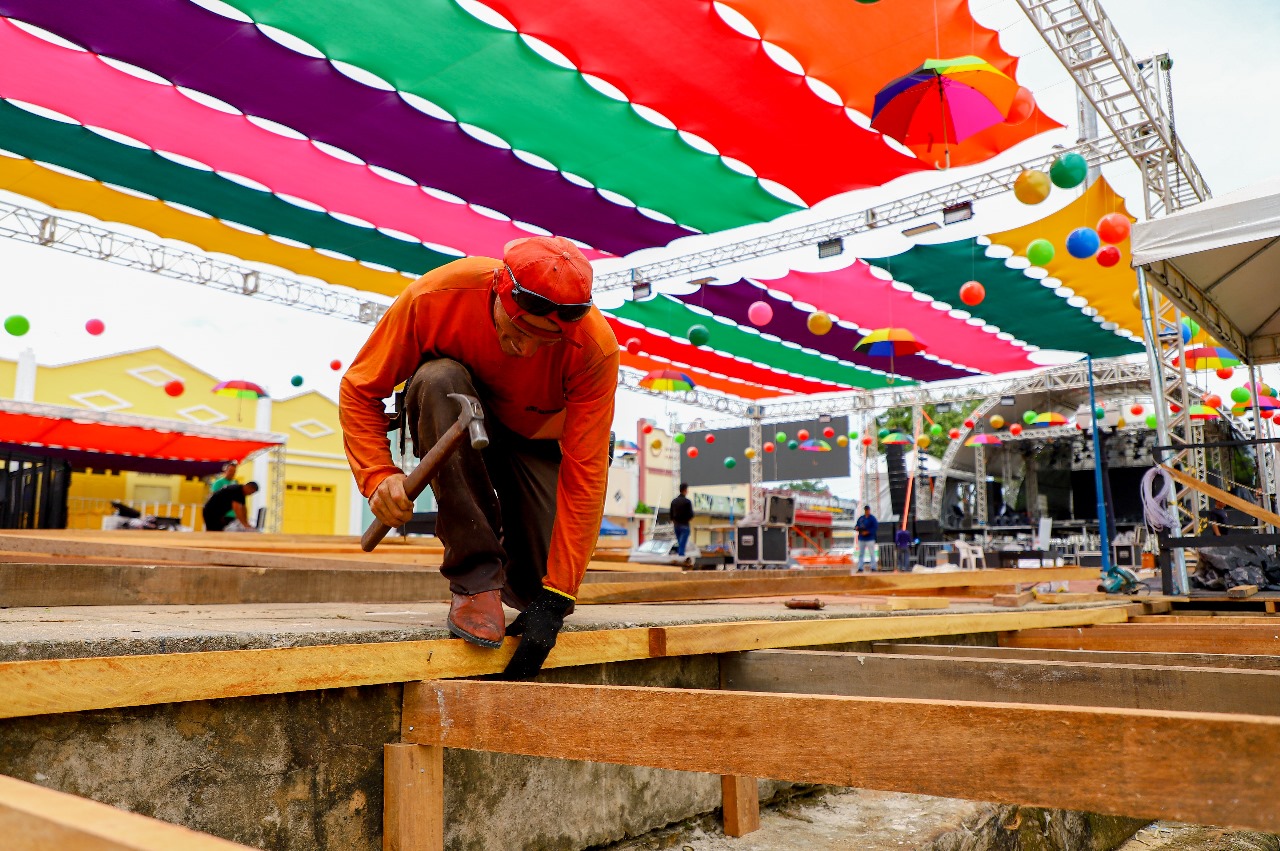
1014	303
74	147
666	314
492	79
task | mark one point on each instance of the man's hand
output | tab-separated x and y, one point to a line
537	627
390	503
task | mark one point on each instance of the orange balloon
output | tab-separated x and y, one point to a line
972	293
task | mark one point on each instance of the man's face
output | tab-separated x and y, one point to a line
515	341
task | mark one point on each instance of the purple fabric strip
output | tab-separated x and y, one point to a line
732	301
236	63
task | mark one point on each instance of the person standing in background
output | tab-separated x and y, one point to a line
681	515
225	478
867	526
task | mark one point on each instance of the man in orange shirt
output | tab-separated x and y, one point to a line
520	519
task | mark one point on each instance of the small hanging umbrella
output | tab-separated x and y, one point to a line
625	447
895	438
943	102
1049	418
239	390
1204	412
1209	357
983	440
667	380
890	342
815	445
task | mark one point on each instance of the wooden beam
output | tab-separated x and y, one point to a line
1208	618
1010	681
1255	511
1245	639
33	818
48	686
412	798
1014	601
704	589
1054	597
1187	660
740	801
1201	768
1241	592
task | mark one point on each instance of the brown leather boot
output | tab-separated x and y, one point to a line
478	618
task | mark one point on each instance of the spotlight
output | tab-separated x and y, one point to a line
830	247
641	290
957	213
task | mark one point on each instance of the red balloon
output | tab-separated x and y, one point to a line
1173	406
335	365
692	452
954	433
1213	400
768	447
1113	228
1015	429
972	293
174	388
1136	410
802	434
968	423
647	428
1266	413
1108	257
828	432
1024	104
95	326
1225	372
711	438
866	441
634	345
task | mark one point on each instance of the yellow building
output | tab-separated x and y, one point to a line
320	495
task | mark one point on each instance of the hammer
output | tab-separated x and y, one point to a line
471	419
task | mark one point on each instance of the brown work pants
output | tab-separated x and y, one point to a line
496	507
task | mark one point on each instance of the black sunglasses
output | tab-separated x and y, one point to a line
531	302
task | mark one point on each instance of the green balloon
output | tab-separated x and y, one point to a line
853	435
730	462
1151	420
296	381
935	430
1029	417
1239	395
1099	413
1040	252
884	432
679	438
699	335
780	436
17	325
1068	171
793	444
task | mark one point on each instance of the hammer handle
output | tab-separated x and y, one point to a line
416	482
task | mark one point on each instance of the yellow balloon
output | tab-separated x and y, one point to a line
749	452
1032	187
923	441
819	322
1137	299
997	421
656	445
1120	423
842	441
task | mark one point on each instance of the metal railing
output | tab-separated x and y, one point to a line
85	512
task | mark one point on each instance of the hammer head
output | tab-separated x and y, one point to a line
472	418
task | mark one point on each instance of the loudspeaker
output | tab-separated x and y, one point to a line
763	545
779	510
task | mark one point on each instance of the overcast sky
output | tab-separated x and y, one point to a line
1225	114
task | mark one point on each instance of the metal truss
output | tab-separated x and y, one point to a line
927	203
116	418
41	228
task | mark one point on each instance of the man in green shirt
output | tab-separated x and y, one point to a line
228	477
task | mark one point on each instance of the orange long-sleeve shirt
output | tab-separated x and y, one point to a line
563	391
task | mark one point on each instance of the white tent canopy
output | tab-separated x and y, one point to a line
1220	262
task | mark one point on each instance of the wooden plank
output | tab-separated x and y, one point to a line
1004	680
740	801
48	686
1255	511
1245	639
1188	660
412	798
1058	597
33	818
1013	600
1208	618
1201	768
1240	592
700	589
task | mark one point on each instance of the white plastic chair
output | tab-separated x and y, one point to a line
970	555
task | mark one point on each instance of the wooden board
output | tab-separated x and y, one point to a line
1245	639
740	803
1200	768
1013	600
33	818
1240	592
1004	680
1189	660
1058	597
412	798
48	686
1255	511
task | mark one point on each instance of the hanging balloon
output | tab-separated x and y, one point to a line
793	444
749	453
935	430
1015	429
968	423
656	445
1224	372
884	432
972	293
828	432
1239	395
1190	328
1136	410
842	441
1082	243
1213	400
923	441
692	452
1264	389
731	462
698	335
1040	252
1120	423
1099	413
997	421
296	381
634	346
679	437
802	434
711	438
1108	256
760	313
95	326
1029	417
1068	171
1151	420
1113	228
781	437
853	435
1175	407
768	447
954	434
1266	413
647	428
335	365
1022	107
174	388
819	322
1137	299
866	441
1031	187
17	325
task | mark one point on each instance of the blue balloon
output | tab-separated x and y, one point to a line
1082	243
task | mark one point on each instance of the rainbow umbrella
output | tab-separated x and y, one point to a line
890	342
239	390
1049	418
667	379
983	440
1209	357
895	438
625	447
943	102
816	445
1204	412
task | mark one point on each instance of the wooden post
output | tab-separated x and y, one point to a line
741	801
412	798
